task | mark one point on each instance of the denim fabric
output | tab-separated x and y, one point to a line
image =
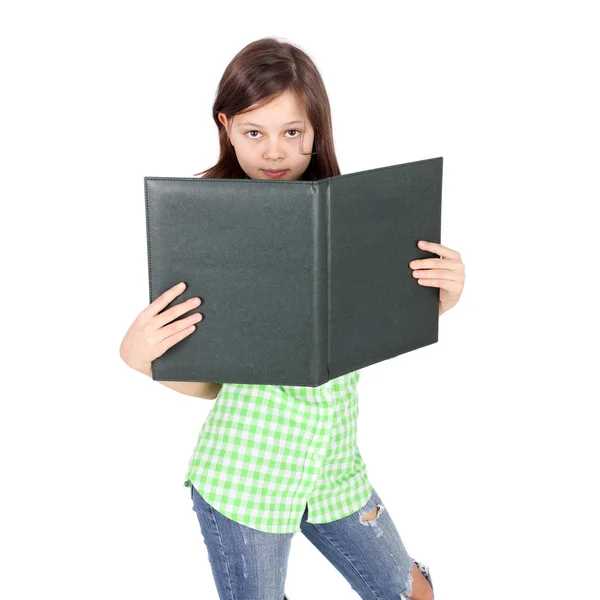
248	564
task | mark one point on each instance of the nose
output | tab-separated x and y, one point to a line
273	152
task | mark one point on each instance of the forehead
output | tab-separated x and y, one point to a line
284	110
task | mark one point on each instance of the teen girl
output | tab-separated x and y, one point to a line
272	461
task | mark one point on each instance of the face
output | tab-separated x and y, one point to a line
267	139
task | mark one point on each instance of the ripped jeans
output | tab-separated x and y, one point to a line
248	564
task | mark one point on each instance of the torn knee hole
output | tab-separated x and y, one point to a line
373	514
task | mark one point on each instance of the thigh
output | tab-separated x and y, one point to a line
369	554
247	564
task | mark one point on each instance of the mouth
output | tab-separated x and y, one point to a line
275	173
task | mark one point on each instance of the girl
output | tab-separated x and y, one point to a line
271	460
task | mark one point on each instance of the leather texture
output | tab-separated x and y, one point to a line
301	281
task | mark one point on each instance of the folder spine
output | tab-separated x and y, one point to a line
320	366
149	254
327	329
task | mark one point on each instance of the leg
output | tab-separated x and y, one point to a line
246	563
421	589
366	548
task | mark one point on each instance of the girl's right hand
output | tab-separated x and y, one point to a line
153	333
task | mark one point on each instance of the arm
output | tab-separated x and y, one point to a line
208	390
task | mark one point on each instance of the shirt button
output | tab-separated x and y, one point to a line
325	391
316	456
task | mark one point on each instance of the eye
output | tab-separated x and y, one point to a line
255	131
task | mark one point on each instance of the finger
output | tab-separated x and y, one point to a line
176	311
157	335
444	263
183	331
440	274
177	326
436	248
443	284
163	300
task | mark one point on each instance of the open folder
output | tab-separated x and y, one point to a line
301	281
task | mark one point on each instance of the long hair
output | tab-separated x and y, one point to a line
259	73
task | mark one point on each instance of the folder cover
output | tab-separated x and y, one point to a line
301	281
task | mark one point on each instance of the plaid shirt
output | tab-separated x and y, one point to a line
266	451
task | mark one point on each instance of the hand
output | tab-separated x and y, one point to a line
447	273
153	332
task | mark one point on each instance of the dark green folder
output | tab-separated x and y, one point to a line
301	281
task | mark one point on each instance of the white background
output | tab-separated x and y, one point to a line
483	446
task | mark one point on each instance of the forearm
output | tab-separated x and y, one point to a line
207	390
200	389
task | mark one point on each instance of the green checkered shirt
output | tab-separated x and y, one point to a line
266	451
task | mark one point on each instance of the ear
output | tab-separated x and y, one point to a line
223	119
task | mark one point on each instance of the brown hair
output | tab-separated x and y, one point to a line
259	73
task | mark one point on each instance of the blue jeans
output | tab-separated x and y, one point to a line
249	564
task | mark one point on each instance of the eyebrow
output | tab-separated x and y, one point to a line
257	125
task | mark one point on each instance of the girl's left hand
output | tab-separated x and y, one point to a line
446	272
